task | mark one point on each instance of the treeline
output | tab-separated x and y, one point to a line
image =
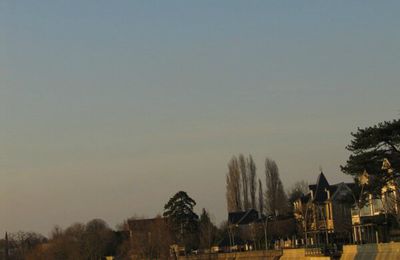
135	238
179	225
92	240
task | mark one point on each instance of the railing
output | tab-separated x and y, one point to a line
322	251
260	254
314	251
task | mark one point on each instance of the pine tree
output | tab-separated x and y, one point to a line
369	148
181	217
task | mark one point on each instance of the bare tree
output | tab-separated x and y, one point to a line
260	197
276	199
230	194
245	181
22	243
97	239
94	240
252	181
148	238
297	190
207	231
233	190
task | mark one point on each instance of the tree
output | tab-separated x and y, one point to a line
181	218
98	239
260	198
148	239
252	181
21	243
94	240
298	189
276	199
369	147
241	184
245	181
233	191
207	231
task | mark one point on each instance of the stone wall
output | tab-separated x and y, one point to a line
286	254
386	251
256	255
299	253
382	251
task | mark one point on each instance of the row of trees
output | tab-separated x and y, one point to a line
150	239
92	240
241	184
241	187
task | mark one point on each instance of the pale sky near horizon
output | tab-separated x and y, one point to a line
108	108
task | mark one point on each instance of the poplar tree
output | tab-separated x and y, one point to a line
276	199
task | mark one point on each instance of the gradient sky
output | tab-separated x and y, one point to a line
108	108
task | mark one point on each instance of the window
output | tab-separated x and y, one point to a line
377	206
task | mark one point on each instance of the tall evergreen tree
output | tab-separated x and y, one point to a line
181	217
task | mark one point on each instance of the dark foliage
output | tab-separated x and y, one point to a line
369	147
181	218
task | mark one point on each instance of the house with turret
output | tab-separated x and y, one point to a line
324	214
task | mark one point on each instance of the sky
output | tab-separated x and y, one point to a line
108	108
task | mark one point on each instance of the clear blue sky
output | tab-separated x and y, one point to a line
108	108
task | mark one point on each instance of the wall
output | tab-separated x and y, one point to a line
256	255
299	253
382	251
386	251
286	254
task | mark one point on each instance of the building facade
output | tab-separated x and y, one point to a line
376	220
324	214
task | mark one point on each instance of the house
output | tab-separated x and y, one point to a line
149	238
324	214
143	226
370	222
248	230
241	218
377	219
243	230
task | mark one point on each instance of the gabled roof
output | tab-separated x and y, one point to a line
342	192
141	225
305	198
243	217
319	190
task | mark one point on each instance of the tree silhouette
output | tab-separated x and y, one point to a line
369	148
181	217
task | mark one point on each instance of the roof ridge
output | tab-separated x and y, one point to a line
247	212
